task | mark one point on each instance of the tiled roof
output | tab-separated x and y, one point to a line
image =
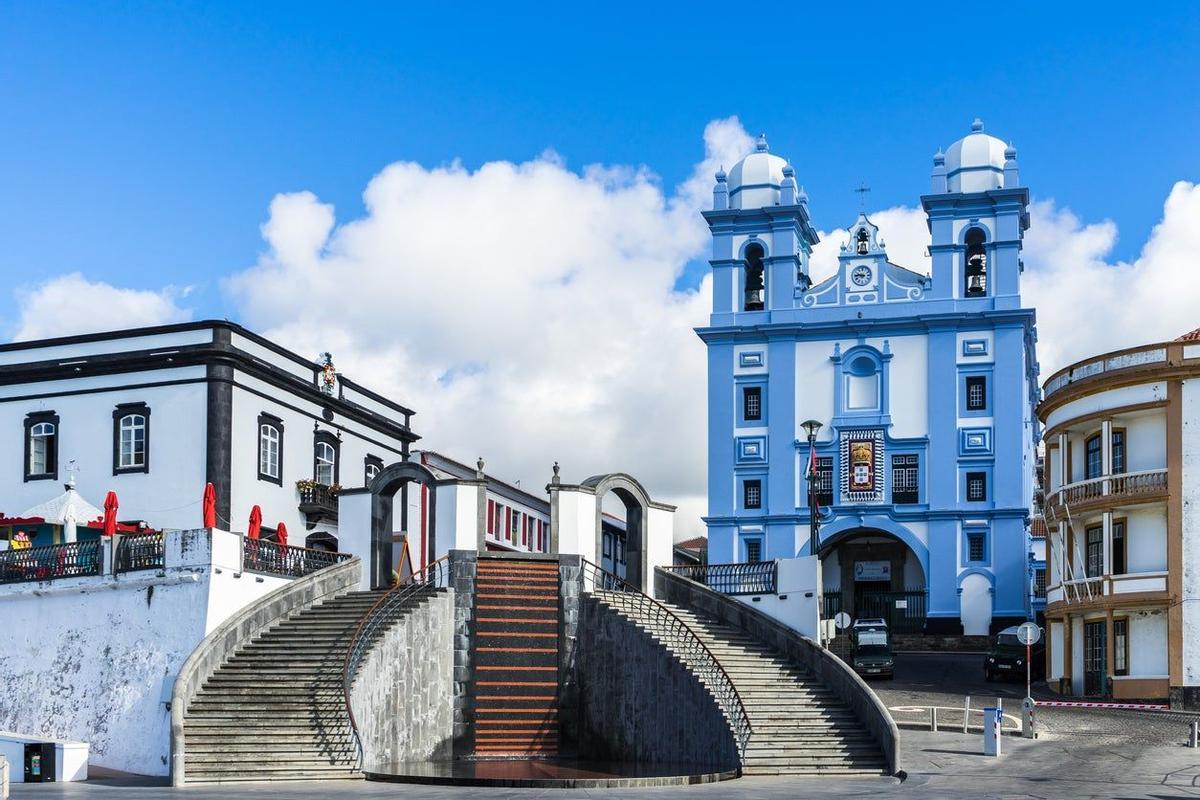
698	543
1038	528
1190	336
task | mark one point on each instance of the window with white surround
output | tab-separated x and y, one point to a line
754	550
131	438
372	466
270	448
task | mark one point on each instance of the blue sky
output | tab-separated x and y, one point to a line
141	143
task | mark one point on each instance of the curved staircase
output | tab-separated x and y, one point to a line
798	726
275	710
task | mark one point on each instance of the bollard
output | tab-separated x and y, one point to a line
966	712
992	740
933	718
3	777
1194	734
1027	722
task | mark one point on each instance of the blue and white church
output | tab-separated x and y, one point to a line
923	385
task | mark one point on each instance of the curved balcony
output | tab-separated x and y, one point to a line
1118	361
1145	486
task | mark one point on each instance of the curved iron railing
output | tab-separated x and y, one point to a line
752	577
435	575
679	637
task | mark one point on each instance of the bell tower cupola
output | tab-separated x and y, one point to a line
978	213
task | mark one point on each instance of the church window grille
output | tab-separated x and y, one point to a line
1039	582
905	479
754	550
824	481
752	494
975	273
752	403
755	278
976	547
976	393
976	486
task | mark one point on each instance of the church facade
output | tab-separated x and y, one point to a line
921	472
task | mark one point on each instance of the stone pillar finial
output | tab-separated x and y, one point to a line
479	468
555	480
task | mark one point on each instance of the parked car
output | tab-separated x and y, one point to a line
1006	658
872	654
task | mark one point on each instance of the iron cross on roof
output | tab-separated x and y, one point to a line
862	191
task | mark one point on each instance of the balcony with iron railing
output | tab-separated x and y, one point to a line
272	558
754	577
317	501
1144	486
35	564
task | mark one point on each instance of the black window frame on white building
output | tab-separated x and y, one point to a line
35	423
320	438
371	461
129	411
268	422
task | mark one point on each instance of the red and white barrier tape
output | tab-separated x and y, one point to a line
1082	704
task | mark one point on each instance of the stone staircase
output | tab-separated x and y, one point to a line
799	726
275	710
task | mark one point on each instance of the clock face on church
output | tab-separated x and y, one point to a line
861	275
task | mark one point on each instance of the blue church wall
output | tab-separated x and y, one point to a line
908	374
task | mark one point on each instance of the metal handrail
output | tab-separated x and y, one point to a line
69	560
434	575
690	648
751	577
263	555
139	551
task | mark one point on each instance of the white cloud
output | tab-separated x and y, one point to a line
527	312
1087	304
71	304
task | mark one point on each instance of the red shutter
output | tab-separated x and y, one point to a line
491	523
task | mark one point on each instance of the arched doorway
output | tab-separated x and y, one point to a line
872	573
632	546
383	493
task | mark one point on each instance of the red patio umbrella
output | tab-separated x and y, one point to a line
110	513
210	506
281	535
255	523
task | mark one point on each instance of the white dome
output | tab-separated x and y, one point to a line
754	181
975	163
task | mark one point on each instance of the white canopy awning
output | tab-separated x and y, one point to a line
67	507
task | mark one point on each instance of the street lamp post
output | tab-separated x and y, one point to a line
810	428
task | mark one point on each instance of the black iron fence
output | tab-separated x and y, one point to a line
143	551
904	611
262	555
755	577
76	559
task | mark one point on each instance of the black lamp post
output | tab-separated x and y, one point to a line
810	428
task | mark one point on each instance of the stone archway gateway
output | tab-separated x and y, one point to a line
576	521
870	573
383	491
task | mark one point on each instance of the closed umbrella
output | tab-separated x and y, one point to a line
255	523
210	506
110	513
281	535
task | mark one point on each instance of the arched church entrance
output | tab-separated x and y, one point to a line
383	494
621	537
870	573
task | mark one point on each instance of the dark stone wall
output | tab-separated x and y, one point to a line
638	702
462	582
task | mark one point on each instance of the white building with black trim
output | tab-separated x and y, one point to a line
155	413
